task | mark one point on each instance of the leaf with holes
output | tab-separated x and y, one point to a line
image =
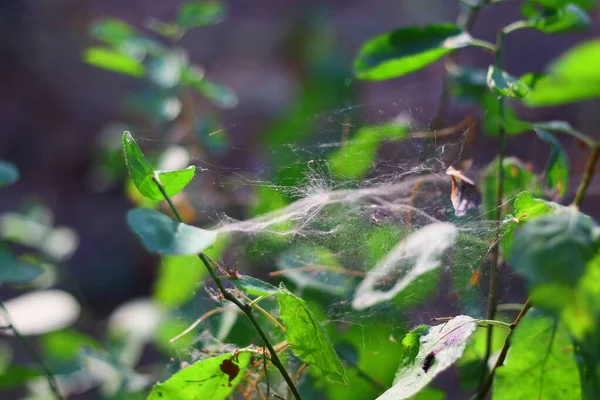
161	234
142	173
505	84
213	378
407	49
427	351
557	169
308	339
540	363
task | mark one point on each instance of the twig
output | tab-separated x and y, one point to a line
487	384
493	282
587	175
207	261
32	352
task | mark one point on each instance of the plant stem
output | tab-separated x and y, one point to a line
465	21
493	282
228	296
32	352
487	384
587	175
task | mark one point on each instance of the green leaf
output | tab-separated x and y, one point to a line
178	280
554	248
199	13
470	363
254	286
517	178
570	78
9	174
566	128
307	338
15	271
112	31
566	19
142	173
214	378
17	375
115	61
161	234
557	4
220	95
166	71
540	363
64	345
557	169
505	84
407	49
355	159
427	352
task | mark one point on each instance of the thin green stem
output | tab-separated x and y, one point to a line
495	253
493	322
487	384
246	309
590	169
32	352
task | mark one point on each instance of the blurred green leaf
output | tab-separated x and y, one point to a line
557	169
570	78
471	360
178	280
307	338
220	95
112	31
200	13
254	286
505	84
15	271
407	49
17	375
427	352
64	345
166	71
555	248
355	158
566	128
540	364
215	378
430	394
115	61
161	234
517	178
9	173
566	19
142	173
558	4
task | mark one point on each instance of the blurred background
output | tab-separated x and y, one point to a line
287	89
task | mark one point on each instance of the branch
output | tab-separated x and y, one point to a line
587	175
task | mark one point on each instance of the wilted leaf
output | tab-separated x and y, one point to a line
427	352
161	234
407	49
213	378
308	339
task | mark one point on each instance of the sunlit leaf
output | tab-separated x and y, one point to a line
566	19
505	84
9	174
427	352
557	169
178	279
540	363
254	286
355	159
115	61
308	339
213	378
555	248
200	13
40	312
407	49
161	234
16	271
143	174
416	255
570	78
